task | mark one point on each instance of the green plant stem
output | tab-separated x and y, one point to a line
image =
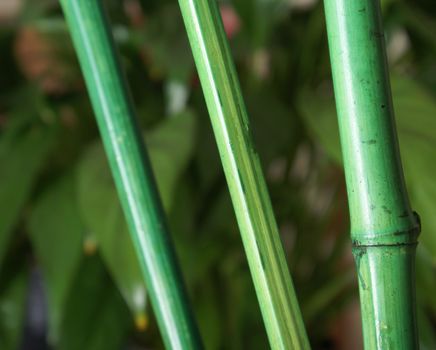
246	182
131	170
384	230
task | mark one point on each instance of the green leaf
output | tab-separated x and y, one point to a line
189	244
425	287
416	110
56	233
415	117
276	134
23	152
95	316
425	279
207	160
256	26
319	115
12	310
208	314
166	45
427	338
34	9
103	217
170	147
325	296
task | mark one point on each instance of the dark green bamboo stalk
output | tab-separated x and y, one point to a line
131	170
247	186
384	230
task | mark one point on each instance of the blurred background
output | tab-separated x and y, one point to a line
69	278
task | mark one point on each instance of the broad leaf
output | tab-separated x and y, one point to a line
256	26
12	310
276	134
95	316
56	233
325	295
170	147
415	116
208	314
425	286
22	154
166	45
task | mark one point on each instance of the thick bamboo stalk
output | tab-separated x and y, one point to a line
131	170
384	230
246	182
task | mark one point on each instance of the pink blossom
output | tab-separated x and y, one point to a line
231	21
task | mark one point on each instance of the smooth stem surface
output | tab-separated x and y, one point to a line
384	230
246	182
131	170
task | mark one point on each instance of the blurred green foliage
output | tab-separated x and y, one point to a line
59	210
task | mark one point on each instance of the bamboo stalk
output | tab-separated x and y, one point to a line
246	182
384	230
131	169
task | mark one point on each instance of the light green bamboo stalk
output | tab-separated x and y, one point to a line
384	230
246	182
131	170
